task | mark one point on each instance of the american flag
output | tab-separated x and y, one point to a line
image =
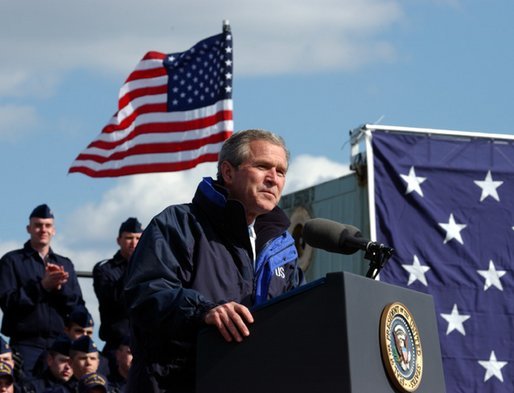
445	202
174	112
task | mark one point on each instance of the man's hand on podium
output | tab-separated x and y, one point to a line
231	320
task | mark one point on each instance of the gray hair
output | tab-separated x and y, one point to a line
236	149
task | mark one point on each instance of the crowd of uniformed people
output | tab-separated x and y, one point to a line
46	342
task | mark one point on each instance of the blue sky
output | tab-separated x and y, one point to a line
308	70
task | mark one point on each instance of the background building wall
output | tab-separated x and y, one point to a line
343	200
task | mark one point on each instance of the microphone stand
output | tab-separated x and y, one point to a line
378	255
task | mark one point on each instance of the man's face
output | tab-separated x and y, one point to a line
258	182
84	363
60	366
124	357
128	242
75	331
7	358
6	385
41	231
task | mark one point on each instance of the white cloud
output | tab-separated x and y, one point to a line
46	39
16	121
141	196
9	245
306	171
22	81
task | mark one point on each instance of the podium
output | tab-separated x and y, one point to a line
322	337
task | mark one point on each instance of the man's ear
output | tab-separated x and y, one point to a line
28	230
227	172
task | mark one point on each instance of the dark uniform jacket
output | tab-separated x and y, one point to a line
189	259
108	285
31	314
47	383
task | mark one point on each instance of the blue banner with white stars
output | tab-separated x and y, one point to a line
445	203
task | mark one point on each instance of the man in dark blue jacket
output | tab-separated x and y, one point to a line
108	278
38	288
207	262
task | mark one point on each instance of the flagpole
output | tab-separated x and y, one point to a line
226	26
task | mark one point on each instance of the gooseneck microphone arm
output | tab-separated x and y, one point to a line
332	236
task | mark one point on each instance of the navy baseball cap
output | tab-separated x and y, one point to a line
4	347
42	211
123	340
61	344
6	371
131	225
84	344
92	380
81	316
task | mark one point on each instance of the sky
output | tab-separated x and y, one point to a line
309	70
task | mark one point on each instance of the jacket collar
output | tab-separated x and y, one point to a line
230	217
30	252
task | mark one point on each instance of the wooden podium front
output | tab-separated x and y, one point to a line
323	337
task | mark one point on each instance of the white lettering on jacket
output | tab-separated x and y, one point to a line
280	272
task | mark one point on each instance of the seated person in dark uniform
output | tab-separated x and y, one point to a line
7	378
93	383
119	375
6	353
38	288
8	382
85	357
7	356
79	323
58	372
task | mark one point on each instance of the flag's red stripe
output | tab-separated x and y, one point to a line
126	122
153	55
144	74
166	127
157	148
145	168
144	91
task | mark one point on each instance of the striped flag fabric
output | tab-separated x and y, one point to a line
174	112
444	202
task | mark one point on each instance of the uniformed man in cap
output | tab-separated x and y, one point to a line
58	371
108	285
38	288
84	356
6	378
93	383
6	352
118	376
79	323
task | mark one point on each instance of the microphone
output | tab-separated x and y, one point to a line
334	237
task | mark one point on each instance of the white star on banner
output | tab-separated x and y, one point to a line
417	271
413	182
452	230
488	186
455	321
492	277
493	367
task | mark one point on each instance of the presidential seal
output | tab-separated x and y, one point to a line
401	347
